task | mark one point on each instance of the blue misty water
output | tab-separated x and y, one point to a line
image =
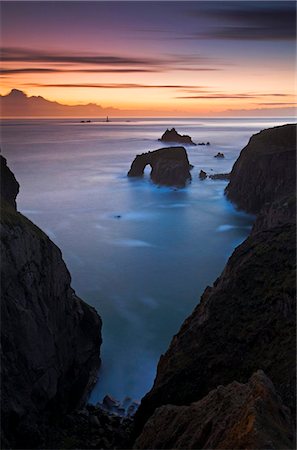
145	270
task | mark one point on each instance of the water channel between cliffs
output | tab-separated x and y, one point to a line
141	255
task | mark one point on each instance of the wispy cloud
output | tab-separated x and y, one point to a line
73	70
71	62
114	85
216	96
276	103
256	21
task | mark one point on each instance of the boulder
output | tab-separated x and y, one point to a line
219	155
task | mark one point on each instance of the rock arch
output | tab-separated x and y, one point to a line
170	166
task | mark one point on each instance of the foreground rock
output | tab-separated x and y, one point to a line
90	428
50	337
173	136
247	320
265	169
235	416
170	166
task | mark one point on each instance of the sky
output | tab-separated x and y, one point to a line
183	58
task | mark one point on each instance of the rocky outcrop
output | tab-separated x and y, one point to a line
173	136
247	320
265	169
219	155
50	338
170	166
9	185
247	416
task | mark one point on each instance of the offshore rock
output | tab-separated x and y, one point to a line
170	166
219	155
173	136
202	175
247	416
50	337
265	169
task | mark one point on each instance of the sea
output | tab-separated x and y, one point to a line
142	255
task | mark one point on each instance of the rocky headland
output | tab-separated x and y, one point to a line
173	136
170	166
244	323
50	338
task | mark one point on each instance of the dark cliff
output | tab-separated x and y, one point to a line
170	166
50	338
247	320
264	170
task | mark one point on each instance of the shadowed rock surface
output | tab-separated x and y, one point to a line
173	136
170	166
265	169
247	320
236	416
50	338
9	185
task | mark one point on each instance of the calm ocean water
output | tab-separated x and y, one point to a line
145	270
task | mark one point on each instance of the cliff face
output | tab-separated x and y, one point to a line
235	416
50	338
264	170
247	320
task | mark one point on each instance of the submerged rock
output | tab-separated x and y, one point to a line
173	136
50	338
220	176
247	416
170	166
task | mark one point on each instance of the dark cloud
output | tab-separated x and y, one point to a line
208	95
211	97
251	21
9	54
275	104
114	85
106	63
53	70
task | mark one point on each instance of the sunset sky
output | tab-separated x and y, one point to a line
184	58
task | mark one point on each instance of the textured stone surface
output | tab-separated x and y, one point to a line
265	169
170	166
50	338
236	416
